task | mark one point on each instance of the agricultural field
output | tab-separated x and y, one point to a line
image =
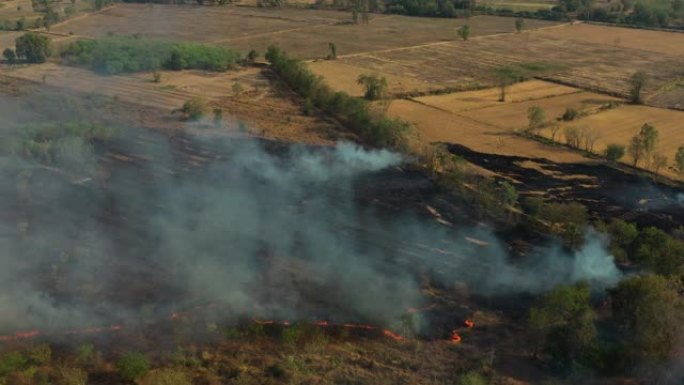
619	125
519	5
468	64
478	121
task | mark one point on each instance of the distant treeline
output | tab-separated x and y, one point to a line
628	12
373	128
121	54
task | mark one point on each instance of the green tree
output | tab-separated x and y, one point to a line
643	144
132	366
375	87
679	159
561	327
614	152
519	24
21	24
505	76
636	86
649	313
658	162
464	32
33	48
622	235
51	17
658	251
10	55
536	118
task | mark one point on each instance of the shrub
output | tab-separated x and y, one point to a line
165	377
472	378
156	76
614	152
120	54
10	55
569	114
133	366
40	354
194	108
11	362
73	376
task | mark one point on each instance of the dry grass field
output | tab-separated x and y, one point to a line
464	65
489	97
478	121
343	77
265	110
665	43
436	125
620	124
382	33
514	115
188	23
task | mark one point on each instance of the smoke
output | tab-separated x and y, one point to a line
258	229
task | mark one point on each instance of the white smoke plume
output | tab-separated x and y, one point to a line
259	230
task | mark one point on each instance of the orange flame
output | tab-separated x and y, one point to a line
455	337
469	323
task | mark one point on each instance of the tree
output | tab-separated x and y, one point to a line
649	313
659	161
573	136
590	137
506	76
643	144
464	32
133	366
614	152
561	326
658	251
554	130
679	159
10	55
376	87
333	51
519	24
33	48
637	83
51	17
535	117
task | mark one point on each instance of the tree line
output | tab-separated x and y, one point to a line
372	127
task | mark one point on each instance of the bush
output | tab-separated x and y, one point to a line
121	54
569	114
614	152
194	108
11	362
73	376
166	377
472	378
133	366
33	48
10	55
